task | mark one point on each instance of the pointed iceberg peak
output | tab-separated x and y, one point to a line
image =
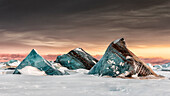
76	59
121	40
34	51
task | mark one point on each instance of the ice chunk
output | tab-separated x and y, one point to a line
165	65
158	66
77	59
35	60
125	62
13	63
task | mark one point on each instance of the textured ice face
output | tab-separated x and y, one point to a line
110	64
35	60
77	59
70	62
119	61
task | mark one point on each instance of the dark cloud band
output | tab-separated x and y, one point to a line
84	23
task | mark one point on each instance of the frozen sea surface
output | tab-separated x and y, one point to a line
80	84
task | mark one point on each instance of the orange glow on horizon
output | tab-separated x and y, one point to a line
149	52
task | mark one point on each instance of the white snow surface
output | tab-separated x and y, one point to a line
81	84
29	70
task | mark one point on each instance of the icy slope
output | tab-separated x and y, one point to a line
35	60
77	59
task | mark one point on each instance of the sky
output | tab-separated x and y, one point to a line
57	26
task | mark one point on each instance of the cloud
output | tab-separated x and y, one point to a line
89	24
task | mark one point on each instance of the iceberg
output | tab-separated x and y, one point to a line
77	59
36	61
118	61
166	65
163	67
157	67
12	63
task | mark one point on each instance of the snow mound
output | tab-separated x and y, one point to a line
29	70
